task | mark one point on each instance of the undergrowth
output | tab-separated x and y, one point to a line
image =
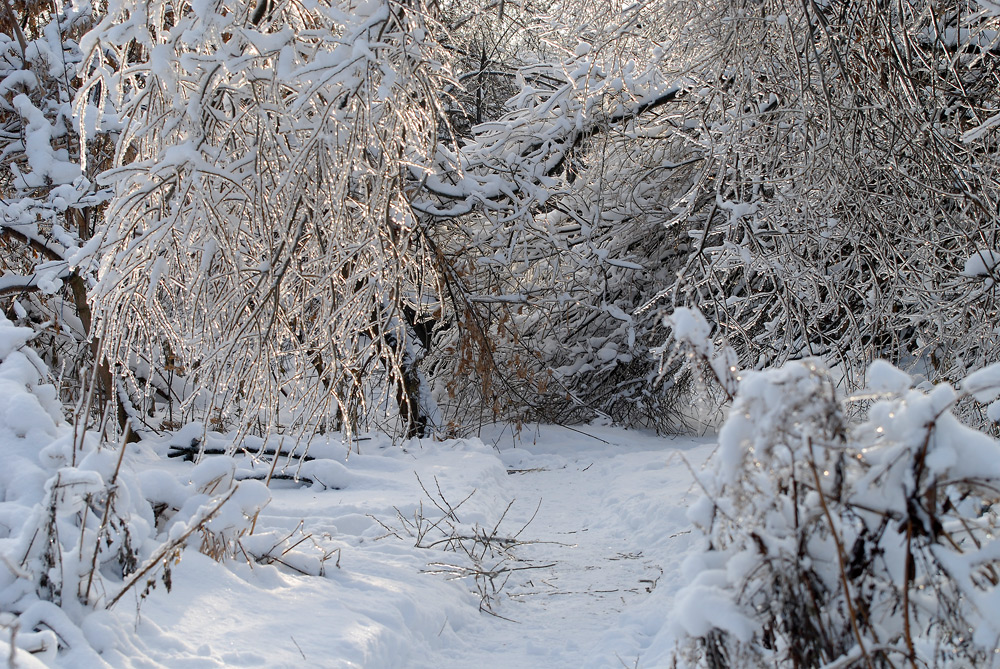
838	543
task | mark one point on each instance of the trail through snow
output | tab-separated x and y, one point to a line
611	522
595	569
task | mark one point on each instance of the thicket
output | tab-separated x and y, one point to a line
290	218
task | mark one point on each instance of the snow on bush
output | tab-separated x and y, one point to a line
981	263
838	544
693	333
76	531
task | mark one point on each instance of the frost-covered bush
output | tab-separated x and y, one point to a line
869	544
837	212
77	531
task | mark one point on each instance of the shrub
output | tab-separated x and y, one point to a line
827	542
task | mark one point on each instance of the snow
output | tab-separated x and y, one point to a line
599	515
984	384
554	547
979	131
690	327
884	377
589	546
981	263
45	162
19	660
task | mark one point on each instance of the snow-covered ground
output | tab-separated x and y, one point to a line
555	547
586	560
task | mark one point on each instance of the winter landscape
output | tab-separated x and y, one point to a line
423	333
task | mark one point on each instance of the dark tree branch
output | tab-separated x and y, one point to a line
41	245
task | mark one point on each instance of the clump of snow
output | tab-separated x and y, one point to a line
48	542
691	331
885	377
981	263
983	384
17	658
691	328
48	165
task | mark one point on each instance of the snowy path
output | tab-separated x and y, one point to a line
611	520
610	534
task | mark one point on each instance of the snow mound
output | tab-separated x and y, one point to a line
77	533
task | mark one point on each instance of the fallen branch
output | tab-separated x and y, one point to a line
304	480
191	452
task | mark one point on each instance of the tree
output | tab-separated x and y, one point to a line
327	209
51	203
260	256
831	541
561	242
295	208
